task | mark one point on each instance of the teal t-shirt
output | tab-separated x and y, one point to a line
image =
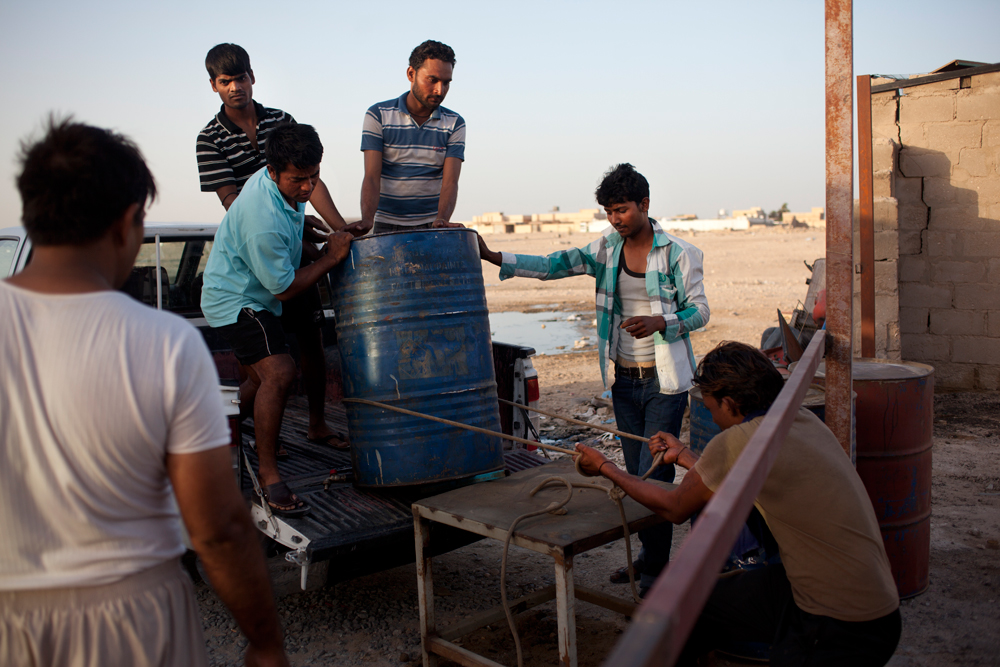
255	254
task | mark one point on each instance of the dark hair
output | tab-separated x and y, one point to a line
431	50
295	144
228	59
77	180
622	183
742	373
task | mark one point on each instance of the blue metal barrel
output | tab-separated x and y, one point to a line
413	332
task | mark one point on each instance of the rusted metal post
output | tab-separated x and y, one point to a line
839	217
867	215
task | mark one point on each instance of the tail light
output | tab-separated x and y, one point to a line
532	386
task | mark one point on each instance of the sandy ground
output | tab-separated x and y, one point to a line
373	620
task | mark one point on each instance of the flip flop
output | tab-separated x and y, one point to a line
333	441
283	502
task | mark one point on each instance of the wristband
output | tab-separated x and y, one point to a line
601	466
677	460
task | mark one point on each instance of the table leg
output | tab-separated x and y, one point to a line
566	611
425	589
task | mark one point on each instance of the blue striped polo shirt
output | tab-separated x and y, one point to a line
412	158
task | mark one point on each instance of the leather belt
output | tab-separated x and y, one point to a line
635	372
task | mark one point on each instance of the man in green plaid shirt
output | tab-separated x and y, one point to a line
650	296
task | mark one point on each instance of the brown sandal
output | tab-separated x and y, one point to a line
283	502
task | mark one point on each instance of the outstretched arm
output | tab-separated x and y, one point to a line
225	540
676	505
322	201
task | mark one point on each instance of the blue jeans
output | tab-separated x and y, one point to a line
640	409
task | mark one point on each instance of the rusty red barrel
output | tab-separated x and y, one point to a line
895	416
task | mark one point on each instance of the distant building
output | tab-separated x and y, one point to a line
553	221
814	218
755	212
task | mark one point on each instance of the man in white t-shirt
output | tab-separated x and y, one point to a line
108	411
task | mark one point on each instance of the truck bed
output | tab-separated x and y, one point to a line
359	530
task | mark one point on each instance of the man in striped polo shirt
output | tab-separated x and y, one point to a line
231	149
414	150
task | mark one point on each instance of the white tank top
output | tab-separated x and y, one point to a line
633	301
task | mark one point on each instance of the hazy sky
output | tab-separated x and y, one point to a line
719	104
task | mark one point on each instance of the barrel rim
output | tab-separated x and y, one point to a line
929	370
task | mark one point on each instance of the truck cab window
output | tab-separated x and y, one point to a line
182	262
8	251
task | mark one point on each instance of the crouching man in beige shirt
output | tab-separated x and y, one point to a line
832	600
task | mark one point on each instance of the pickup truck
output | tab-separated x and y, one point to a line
359	531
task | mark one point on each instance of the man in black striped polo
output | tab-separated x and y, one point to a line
230	149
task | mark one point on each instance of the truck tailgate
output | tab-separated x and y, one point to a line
359	530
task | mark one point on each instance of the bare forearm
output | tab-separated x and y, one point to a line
227	195
668	504
450	173
337	246
236	568
322	201
304	278
370	189
490	256
446	204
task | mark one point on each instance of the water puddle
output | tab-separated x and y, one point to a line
549	332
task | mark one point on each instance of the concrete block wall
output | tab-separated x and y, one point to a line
936	153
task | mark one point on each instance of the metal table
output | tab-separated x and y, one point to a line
488	509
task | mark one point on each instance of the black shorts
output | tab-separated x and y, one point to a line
303	311
256	335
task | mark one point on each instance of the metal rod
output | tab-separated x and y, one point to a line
620	434
840	217
661	625
866	196
449	422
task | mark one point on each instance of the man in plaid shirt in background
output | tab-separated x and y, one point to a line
649	297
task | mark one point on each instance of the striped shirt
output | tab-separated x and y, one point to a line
225	154
412	158
673	282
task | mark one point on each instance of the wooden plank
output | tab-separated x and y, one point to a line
497	614
458	654
663	622
601	599
565	612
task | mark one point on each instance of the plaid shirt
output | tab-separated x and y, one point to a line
673	282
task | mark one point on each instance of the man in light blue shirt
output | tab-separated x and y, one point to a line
253	269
